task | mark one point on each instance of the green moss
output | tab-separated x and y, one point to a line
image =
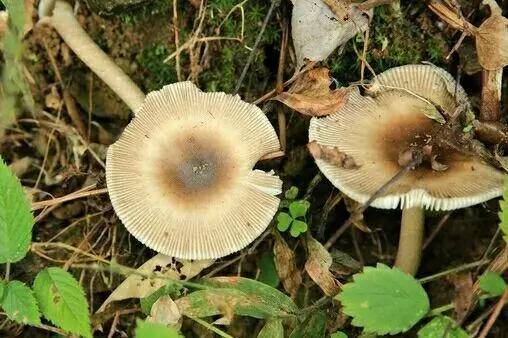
145	11
154	73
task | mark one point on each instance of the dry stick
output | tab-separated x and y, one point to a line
281	116
436	230
497	310
403	171
177	39
72	111
67	198
274	4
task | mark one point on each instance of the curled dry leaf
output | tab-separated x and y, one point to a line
318	267
285	264
136	286
317	31
165	311
492	43
311	94
332	155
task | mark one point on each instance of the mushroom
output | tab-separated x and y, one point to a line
180	177
381	132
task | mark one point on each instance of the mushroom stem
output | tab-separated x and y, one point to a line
492	82
61	18
411	239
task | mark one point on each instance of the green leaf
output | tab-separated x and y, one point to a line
151	330
268	272
298	228
338	334
62	301
384	300
16	9
170	289
440	327
492	283
2	290
314	326
272	329
283	221
241	296
291	193
16	220
503	214
19	304
299	208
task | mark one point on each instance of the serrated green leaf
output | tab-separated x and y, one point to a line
155	330
338	334
273	329
268	272
16	220
283	221
384	300
62	301
298	228
503	213
299	208
492	283
19	304
440	327
291	193
314	326
170	289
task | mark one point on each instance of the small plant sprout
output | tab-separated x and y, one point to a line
404	132
294	219
180	177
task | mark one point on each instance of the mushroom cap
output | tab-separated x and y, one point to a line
180	177
374	130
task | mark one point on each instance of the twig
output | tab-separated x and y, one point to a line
436	230
112	330
72	196
177	40
281	116
403	171
209	326
453	270
492	319
252	53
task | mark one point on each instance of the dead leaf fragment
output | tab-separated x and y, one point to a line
317	31
165	311
311	94
318	267
463	298
285	264
136	286
492	43
332	155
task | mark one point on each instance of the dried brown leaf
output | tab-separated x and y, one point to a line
492	43
136	286
285	264
463	298
318	267
165	311
332	155
311	94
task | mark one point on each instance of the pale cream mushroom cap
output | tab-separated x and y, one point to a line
374	129
180	177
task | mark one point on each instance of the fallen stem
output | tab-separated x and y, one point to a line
67	198
454	270
209	326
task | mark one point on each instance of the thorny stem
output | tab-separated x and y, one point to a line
411	238
274	4
63	20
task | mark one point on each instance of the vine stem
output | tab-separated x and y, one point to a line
209	326
7	271
454	270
